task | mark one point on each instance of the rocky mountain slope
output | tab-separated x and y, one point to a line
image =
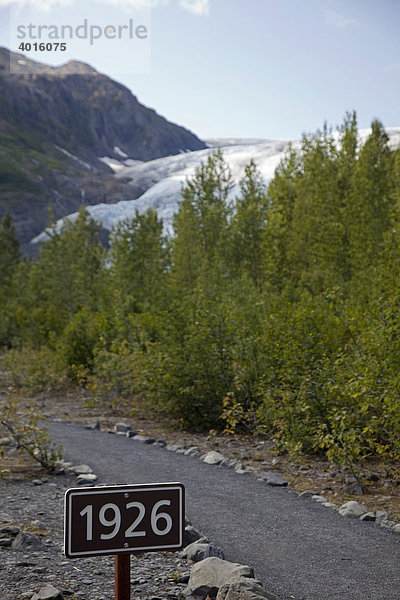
55	125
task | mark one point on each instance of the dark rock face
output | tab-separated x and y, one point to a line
88	114
53	127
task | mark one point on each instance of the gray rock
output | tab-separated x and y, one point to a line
26	542
173	447
356	489
330	505
249	470
209	575
272	478
193	451
131	433
37	482
388	524
161	443
5	441
10	530
352	509
213	458
369	517
144	439
229	462
307	494
93	425
191	535
87	477
381	516
200	550
396	528
5	542
121	428
318	498
81	469
48	593
184	578
244	588
238	466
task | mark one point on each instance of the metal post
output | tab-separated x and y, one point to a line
122	577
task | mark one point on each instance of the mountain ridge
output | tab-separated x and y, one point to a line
55	126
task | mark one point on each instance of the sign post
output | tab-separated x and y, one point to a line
122	520
122	577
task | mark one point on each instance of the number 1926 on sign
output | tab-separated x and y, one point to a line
124	519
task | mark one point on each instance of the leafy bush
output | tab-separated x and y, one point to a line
28	434
39	370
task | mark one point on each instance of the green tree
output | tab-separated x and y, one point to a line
199	247
10	254
67	277
248	225
281	195
371	204
10	258
139	259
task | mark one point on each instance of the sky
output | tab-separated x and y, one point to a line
242	68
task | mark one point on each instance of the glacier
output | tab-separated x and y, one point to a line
163	178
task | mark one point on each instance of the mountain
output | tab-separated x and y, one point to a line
55	127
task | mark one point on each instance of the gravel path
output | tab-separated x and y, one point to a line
299	549
38	511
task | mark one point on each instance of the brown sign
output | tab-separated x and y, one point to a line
124	519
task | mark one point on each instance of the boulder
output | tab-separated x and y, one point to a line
26	542
121	428
81	469
191	535
173	447
272	478
356	489
210	574
369	517
48	593
244	588
10	530
143	438
200	550
352	509
193	451
92	426
5	542
213	458
87	477
308	494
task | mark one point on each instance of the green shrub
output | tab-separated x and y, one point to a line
28	434
39	370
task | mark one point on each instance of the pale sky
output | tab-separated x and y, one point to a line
251	68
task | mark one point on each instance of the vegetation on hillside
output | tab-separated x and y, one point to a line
278	313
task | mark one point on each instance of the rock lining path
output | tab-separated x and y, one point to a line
299	549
